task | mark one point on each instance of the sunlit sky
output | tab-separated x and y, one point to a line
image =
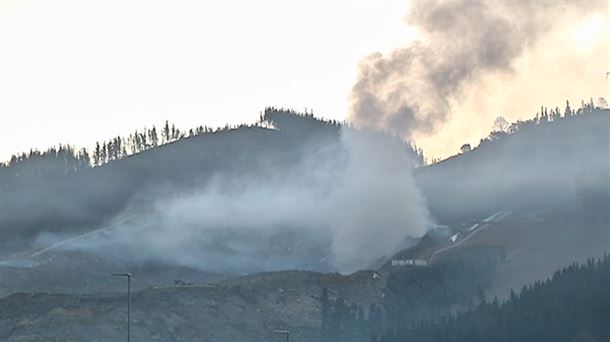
81	71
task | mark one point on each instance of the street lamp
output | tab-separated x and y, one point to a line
284	332
128	275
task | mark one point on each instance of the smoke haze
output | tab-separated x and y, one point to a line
343	203
341	207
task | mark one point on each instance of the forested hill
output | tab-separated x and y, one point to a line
574	305
63	190
556	159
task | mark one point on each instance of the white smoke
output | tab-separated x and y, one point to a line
341	208
378	204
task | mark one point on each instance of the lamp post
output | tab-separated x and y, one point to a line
128	275
608	73
284	332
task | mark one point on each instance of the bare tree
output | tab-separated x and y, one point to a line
500	125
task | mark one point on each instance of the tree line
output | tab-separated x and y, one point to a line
572	306
68	159
144	139
501	127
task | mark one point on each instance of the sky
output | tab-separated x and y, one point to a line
83	71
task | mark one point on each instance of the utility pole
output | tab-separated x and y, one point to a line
128	275
284	332
608	82
608	59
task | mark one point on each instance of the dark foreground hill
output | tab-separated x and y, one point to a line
329	307
247	309
573	305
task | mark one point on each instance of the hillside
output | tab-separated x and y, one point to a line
239	309
561	163
572	305
48	194
510	212
550	163
243	309
529	244
252	307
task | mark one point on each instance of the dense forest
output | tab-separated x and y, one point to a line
573	305
412	294
446	303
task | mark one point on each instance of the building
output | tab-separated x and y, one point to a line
409	262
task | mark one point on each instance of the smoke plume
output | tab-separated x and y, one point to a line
411	90
341	207
378	207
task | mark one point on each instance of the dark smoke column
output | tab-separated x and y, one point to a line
411	89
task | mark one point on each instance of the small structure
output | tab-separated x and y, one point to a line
179	282
454	237
409	262
19	263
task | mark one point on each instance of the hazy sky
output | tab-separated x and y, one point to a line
81	71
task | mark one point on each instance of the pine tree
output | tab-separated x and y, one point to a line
83	157
104	154
153	138
144	141
174	134
568	111
165	134
97	155
110	151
